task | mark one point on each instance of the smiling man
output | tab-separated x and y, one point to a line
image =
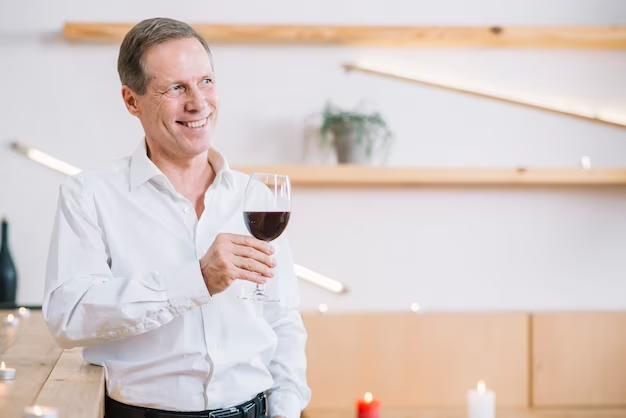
149	255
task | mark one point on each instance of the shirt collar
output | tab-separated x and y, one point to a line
221	167
142	169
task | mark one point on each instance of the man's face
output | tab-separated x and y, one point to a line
179	109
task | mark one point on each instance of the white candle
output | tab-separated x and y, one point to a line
23	312
481	403
585	163
6	373
10	320
40	412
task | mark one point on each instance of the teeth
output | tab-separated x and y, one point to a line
196	124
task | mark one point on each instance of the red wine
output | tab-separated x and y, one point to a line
266	226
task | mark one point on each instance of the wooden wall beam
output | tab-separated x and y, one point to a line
561	107
595	37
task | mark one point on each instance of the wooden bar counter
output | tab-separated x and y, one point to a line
46	375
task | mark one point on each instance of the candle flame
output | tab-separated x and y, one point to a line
22	310
2	366
481	387
37	411
368	397
10	318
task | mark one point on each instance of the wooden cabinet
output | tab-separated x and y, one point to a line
414	361
579	359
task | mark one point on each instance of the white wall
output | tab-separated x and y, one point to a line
449	249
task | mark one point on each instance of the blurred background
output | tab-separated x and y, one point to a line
444	248
453	249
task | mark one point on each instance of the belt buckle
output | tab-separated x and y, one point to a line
226	413
262	404
249	410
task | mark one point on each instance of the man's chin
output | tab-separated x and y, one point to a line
197	145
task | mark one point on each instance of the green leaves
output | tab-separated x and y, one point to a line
369	129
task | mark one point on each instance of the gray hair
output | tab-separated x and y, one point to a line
140	38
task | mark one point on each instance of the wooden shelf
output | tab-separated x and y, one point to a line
365	176
421	36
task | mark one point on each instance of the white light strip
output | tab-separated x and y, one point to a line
46	159
554	104
317	279
65	168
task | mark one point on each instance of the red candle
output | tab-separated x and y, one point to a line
368	407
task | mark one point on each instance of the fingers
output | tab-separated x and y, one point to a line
250	276
254	254
243	240
253	266
238	257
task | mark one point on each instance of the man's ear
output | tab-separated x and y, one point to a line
130	100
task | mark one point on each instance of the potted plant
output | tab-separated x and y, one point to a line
356	136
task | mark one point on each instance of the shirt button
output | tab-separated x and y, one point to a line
186	210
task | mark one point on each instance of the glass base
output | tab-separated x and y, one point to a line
259	296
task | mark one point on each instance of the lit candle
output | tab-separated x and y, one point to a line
368	407
481	403
10	320
40	412
23	312
6	373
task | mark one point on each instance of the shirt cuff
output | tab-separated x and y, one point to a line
185	288
285	404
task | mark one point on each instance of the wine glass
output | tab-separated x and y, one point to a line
266	211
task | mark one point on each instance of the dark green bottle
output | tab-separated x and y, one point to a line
8	274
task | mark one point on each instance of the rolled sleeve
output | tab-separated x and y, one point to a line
85	303
185	288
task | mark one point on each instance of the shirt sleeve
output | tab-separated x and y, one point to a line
84	303
290	394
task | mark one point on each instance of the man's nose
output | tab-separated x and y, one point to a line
196	102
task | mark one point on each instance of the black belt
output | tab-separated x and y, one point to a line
254	408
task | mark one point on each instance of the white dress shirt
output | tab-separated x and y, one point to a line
124	281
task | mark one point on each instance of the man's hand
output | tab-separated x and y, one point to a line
233	257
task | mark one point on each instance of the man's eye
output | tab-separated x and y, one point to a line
207	81
176	88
